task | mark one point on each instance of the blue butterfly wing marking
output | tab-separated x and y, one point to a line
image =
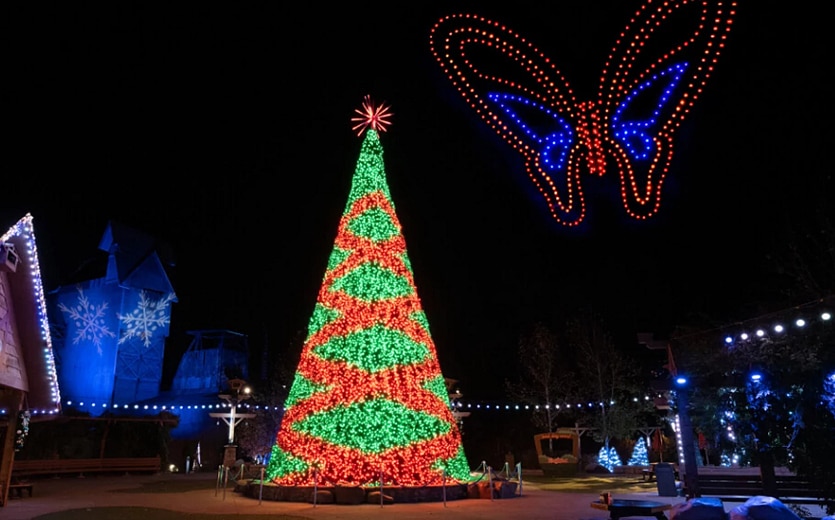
637	135
547	141
656	71
553	138
531	110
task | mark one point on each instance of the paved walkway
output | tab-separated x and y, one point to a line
65	493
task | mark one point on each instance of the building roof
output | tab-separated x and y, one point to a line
26	295
136	258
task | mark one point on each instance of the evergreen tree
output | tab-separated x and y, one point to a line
368	396
608	458
640	456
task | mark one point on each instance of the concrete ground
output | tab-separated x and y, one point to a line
70	492
59	494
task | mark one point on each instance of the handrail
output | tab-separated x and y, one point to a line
56	466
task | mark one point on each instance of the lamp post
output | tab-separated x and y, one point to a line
239	392
690	470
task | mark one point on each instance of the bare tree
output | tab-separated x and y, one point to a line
608	377
544	377
257	436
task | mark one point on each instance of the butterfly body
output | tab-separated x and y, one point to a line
629	127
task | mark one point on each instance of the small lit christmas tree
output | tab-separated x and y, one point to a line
640	457
368	398
608	458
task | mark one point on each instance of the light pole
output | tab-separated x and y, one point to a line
239	392
691	472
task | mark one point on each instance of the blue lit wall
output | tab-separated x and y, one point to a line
109	343
194	422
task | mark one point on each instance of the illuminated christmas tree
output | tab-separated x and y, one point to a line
608	458
639	457
368	398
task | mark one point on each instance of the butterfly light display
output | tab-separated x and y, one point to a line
655	72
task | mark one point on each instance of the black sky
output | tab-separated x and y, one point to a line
224	129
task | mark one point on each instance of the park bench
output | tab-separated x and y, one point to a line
81	466
791	489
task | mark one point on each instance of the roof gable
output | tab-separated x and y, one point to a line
25	298
136	259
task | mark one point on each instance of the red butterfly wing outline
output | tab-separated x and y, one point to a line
689	34
451	41
631	123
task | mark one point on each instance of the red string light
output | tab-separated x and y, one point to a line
597	135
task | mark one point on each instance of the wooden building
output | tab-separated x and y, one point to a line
28	378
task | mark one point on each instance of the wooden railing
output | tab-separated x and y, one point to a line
57	466
790	489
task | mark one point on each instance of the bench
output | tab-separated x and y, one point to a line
791	489
17	489
81	466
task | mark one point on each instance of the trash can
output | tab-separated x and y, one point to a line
665	479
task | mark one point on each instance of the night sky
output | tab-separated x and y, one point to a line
224	129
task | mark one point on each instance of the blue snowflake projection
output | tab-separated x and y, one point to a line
149	316
89	320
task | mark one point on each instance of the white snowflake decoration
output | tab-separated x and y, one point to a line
89	320
148	316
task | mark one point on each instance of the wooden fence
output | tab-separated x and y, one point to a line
57	466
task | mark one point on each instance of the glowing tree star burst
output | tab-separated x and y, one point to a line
371	116
368	398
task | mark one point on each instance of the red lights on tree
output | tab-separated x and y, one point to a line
368	398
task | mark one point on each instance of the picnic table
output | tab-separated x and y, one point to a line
619	508
649	474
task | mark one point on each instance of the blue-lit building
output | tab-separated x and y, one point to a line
212	359
109	327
